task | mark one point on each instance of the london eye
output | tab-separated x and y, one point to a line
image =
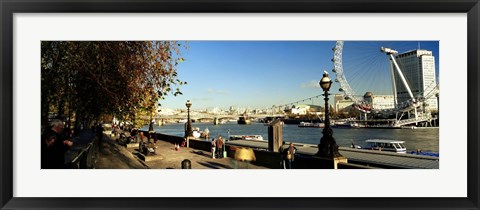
364	69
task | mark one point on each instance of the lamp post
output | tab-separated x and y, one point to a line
150	125
188	131
327	148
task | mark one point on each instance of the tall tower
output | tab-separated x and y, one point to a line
418	67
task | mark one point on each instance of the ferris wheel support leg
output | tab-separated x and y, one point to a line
394	87
416	116
396	118
403	78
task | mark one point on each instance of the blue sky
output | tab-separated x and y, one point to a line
259	74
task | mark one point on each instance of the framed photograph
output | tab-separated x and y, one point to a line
231	59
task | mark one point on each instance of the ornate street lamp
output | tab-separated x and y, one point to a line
150	125
327	148
151	131
188	131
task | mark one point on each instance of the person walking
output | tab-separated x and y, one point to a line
291	155
283	156
99	130
213	144
220	147
54	146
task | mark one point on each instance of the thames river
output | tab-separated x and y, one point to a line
426	139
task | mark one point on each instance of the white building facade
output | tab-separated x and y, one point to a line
340	102
418	67
379	102
300	109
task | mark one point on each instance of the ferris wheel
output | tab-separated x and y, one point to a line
365	67
338	70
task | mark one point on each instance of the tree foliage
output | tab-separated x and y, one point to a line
88	79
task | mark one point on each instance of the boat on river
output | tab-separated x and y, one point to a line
311	125
346	125
246	137
244	120
386	145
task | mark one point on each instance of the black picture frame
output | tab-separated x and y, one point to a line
10	7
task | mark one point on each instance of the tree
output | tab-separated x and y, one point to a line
119	78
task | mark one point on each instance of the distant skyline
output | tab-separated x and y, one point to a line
260	74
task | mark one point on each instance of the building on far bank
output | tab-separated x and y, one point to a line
418	67
340	103
379	102
299	109
304	109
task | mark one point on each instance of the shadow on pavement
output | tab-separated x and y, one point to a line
214	165
219	165
209	165
201	153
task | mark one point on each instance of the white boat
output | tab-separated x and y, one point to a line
246	137
344	124
311	125
386	145
182	121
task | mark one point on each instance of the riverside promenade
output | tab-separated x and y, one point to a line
374	158
111	155
115	156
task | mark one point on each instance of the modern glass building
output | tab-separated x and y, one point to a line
418	67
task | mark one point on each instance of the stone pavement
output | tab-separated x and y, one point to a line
114	156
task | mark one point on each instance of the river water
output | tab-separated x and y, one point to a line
426	139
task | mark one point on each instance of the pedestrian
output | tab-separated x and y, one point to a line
142	142
291	155
141	137
99	131
282	150
220	147
54	146
213	144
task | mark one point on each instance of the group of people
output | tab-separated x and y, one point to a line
287	153
146	144
217	147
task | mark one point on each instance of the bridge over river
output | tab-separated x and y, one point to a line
206	117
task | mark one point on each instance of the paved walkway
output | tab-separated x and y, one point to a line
114	156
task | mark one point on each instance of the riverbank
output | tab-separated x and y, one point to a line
425	139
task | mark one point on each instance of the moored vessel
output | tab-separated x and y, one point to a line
311	125
247	137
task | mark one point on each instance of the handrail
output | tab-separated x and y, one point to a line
85	159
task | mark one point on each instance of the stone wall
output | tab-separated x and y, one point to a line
266	158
